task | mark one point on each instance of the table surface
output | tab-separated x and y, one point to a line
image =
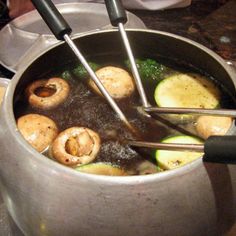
211	23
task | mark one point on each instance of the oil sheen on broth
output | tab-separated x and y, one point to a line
85	108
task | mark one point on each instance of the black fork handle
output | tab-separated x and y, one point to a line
220	149
116	12
53	18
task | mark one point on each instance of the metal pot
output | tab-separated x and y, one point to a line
46	198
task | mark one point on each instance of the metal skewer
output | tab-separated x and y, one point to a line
168	146
118	17
219	149
133	66
196	111
62	30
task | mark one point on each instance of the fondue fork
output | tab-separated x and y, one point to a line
219	149
62	31
118	18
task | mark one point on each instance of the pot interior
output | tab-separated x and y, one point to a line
99	47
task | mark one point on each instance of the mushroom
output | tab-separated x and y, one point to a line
116	81
76	146
212	125
143	167
38	130
47	94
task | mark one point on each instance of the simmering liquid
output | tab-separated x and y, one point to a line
85	108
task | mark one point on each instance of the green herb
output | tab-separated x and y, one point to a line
66	75
81	72
149	69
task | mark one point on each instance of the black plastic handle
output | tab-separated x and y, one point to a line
52	17
116	12
220	149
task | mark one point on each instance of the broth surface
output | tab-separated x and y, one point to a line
85	108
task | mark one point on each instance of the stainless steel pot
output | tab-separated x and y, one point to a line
46	198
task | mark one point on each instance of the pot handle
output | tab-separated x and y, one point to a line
220	149
116	12
4	82
53	18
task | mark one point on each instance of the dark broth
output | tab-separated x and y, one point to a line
85	108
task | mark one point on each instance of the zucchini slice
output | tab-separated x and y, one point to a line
168	160
187	91
101	168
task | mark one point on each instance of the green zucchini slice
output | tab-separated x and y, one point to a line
187	91
172	159
101	168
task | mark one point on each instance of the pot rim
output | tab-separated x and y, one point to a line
55	166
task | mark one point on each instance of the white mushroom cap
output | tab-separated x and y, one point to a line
212	125
116	81
76	146
38	130
61	91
